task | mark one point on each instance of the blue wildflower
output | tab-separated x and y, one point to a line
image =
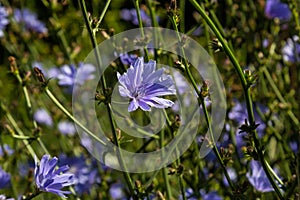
29	20
42	117
116	191
131	15
4	179
48	73
6	149
3	197
291	50
66	128
258	178
50	180
67	75
277	9
3	20
143	84
85	173
232	175
127	59
213	195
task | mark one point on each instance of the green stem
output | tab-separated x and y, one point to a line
164	170
29	108
137	8
202	102
102	14
18	130
68	114
103	81
279	96
245	88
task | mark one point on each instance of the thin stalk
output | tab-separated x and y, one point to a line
201	101
164	170
18	130
108	106
102	14
279	96
246	91
29	108
137	8
68	114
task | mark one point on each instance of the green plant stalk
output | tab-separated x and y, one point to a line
279	96
201	101
18	130
29	108
164	170
246	89
295	12
98	60
102	14
137	8
68	114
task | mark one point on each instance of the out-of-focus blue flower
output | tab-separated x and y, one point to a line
232	175
6	149
68	73
116	191
258	178
48	73
48	179
291	50
239	113
131	15
29	20
294	146
66	128
275	8
213	195
127	59
42	117
3	197
85	173
3	20
4	179
143	84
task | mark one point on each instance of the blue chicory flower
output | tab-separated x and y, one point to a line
258	178
68	74
29	20
3	20
48	179
3	197
131	15
291	50
127	59
6	149
48	73
85	173
144	85
277	9
66	128
116	191
232	175
4	179
213	195
42	117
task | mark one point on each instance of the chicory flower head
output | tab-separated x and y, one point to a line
4	179
258	178
277	9
68	73
3	20
50	180
29	20
42	117
291	50
144	85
